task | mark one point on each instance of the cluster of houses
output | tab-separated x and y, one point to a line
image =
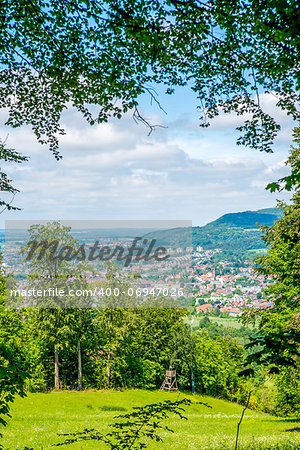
232	308
222	286
230	292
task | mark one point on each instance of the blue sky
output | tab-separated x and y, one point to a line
117	171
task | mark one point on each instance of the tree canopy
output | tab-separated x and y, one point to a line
102	57
88	52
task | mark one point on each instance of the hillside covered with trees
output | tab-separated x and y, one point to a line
234	233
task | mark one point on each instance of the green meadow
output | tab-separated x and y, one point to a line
38	418
256	252
227	322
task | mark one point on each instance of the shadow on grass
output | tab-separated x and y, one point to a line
282	420
112	408
108	408
293	429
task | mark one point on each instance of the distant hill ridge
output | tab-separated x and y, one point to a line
249	219
234	233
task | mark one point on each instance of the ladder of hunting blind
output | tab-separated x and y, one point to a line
170	381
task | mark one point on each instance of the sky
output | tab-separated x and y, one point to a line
116	171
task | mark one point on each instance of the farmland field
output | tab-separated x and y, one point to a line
229	322
39	417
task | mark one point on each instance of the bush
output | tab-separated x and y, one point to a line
288	392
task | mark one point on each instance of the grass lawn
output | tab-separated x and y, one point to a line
39	417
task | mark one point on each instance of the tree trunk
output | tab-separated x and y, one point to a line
79	366
56	368
108	370
193	381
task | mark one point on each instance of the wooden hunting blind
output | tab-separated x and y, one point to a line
170	381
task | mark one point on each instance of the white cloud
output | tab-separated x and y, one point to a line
116	171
